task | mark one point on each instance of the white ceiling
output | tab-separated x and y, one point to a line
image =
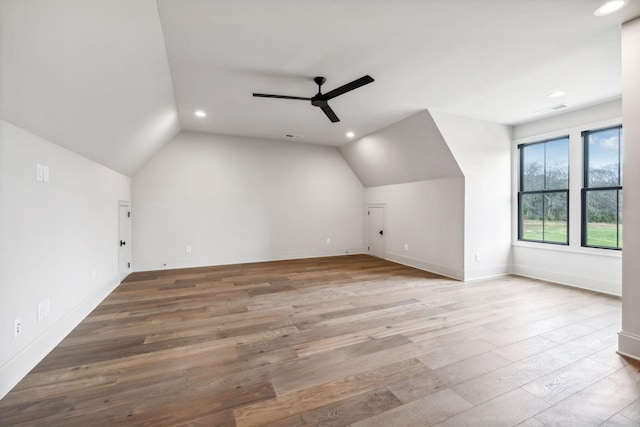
105	78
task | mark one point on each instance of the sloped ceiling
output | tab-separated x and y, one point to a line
114	80
408	151
89	75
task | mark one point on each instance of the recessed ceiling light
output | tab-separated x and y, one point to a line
350	134
557	94
609	7
200	113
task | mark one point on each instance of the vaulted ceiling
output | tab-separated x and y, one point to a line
114	80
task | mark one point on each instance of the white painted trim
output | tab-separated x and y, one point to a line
611	253
16	368
571	280
384	227
422	265
487	273
629	345
124	204
211	262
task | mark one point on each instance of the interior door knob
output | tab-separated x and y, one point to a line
122	243
381	233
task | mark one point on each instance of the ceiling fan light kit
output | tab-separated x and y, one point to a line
321	100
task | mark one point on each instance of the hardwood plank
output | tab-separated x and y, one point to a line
596	403
487	386
525	348
566	381
313	397
472	367
417	386
423	412
455	353
506	410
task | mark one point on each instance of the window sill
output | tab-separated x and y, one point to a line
570	249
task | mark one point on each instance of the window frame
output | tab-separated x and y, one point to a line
586	189
522	192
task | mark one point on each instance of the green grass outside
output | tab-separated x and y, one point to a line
555	231
598	234
601	234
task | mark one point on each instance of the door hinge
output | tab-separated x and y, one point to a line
368	213
128	265
368	248
128	214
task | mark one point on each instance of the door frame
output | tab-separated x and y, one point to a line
127	238
384	208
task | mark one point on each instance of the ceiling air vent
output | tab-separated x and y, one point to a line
551	109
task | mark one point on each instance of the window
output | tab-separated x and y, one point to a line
543	196
602	189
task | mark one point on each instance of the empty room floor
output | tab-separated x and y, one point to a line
334	341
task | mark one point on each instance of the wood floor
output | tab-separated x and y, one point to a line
334	341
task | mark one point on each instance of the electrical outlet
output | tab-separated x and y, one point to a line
477	257
47	307
17	327
406	247
188	249
39	173
328	240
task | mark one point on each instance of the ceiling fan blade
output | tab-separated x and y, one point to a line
264	95
349	87
329	112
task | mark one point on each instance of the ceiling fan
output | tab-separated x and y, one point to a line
322	99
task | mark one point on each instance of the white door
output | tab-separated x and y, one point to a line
375	231
124	244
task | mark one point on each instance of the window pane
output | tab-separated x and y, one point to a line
531	214
604	159
555	218
602	209
533	167
557	164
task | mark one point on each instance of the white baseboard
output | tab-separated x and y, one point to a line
487	272
16	368
629	345
422	265
242	259
568	279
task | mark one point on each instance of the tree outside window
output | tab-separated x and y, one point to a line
543	197
602	191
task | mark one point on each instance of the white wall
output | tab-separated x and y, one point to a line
588	268
428	216
629	337
482	150
235	199
54	236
